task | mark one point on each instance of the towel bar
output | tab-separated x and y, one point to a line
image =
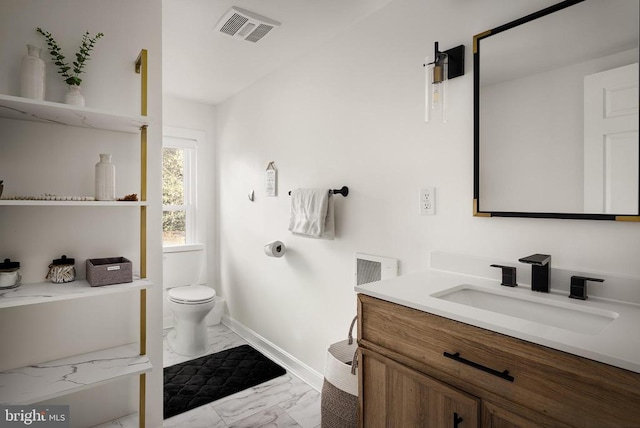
344	191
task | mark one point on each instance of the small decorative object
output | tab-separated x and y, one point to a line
62	270
1	187
71	74
74	97
112	270
271	180
129	198
50	197
9	274
105	179
32	77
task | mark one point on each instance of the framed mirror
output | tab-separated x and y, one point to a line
556	114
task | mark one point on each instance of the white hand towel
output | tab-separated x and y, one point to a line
312	213
329	224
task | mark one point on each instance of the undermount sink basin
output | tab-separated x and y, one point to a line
567	316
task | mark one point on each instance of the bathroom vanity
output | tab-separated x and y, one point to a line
427	361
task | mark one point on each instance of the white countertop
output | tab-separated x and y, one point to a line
617	344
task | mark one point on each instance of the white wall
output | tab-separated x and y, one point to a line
351	113
191	116
42	158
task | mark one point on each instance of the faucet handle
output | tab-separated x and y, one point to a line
508	275
578	288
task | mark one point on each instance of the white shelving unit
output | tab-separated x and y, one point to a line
26	202
42	381
62	114
46	292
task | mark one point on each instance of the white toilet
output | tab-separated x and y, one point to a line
189	304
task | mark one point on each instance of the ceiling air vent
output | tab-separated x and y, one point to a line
242	24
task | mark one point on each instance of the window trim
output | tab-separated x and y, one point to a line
188	139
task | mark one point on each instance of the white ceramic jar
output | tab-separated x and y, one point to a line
105	179
74	96
9	274
32	77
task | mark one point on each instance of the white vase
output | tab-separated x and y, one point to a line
32	77
105	179
74	97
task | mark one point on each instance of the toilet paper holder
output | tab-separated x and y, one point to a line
275	249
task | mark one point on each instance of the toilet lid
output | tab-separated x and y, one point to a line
192	294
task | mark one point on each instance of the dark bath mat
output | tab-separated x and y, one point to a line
197	382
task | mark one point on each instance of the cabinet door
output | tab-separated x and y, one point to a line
497	417
392	395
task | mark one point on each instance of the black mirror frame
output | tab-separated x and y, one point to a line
477	211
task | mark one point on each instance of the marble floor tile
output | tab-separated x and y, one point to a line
304	408
130	421
273	417
200	417
284	389
220	338
283	402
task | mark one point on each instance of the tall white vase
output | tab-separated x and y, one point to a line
32	77
105	179
74	97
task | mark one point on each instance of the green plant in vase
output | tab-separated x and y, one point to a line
71	73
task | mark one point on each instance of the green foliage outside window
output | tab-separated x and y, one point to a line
173	222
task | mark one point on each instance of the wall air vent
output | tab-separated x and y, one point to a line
245	25
369	268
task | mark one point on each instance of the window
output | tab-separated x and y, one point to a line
178	188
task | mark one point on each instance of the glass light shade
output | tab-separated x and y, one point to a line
435	91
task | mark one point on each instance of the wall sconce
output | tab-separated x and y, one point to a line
446	65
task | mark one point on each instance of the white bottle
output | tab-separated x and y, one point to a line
32	78
105	179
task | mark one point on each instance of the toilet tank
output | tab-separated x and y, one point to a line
183	265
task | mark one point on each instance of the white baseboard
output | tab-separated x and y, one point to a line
288	361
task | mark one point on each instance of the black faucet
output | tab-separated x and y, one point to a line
578	288
508	275
539	271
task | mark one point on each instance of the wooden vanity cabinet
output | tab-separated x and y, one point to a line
401	397
498	417
417	368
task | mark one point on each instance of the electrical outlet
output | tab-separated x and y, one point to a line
427	201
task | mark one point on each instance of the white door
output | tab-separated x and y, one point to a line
611	148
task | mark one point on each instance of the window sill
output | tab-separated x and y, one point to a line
182	248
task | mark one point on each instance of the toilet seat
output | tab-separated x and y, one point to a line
192	295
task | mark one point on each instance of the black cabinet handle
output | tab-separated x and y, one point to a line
504	374
456	420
